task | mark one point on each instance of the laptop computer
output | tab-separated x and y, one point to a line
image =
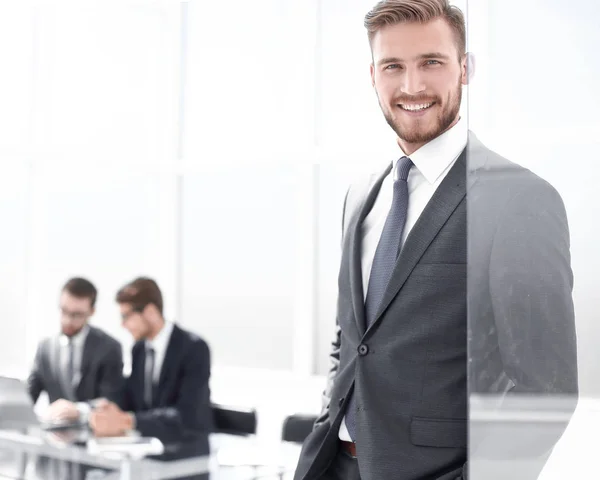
17	412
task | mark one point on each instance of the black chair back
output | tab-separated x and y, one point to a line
234	420
297	427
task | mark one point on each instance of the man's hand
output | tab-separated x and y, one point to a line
108	420
62	410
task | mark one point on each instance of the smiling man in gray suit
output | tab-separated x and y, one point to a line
82	363
395	406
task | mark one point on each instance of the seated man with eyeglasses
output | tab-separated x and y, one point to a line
80	364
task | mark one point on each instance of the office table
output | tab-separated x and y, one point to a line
36	455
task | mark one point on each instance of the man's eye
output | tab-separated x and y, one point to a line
392	66
433	62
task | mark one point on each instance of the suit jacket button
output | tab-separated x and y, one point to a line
363	349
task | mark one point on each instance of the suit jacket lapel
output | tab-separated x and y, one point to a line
137	377
444	201
89	347
54	357
173	350
355	243
477	160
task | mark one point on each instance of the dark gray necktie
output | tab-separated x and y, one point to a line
384	261
389	244
148	376
67	369
70	362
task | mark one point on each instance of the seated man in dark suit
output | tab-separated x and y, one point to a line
167	394
81	363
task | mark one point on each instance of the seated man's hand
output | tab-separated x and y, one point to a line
108	420
62	410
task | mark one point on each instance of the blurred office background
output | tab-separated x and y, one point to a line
209	145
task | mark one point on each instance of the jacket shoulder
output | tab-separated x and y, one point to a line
189	337
501	176
104	337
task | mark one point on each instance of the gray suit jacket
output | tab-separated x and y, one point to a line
101	369
411	382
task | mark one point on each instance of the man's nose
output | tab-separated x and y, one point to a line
412	82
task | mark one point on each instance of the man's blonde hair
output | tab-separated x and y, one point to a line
392	12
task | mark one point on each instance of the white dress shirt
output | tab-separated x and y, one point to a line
159	344
432	162
78	341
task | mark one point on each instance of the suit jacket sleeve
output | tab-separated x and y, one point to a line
334	362
531	290
334	354
123	396
192	411
35	381
110	380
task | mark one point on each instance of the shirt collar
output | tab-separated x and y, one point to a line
159	343
433	158
78	339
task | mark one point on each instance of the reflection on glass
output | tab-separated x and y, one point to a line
527	256
522	342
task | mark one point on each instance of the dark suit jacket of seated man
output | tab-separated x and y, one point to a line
180	406
167	394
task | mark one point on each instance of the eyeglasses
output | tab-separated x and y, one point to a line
126	315
74	315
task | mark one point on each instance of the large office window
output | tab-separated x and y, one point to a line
140	130
105	84
89	118
247	181
239	244
13	258
249	90
16	82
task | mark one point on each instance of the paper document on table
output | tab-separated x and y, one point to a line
130	446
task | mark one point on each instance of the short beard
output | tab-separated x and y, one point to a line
75	332
444	120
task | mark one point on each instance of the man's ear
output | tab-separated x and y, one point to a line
372	69
468	68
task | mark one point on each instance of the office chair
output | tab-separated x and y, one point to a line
297	427
234	420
